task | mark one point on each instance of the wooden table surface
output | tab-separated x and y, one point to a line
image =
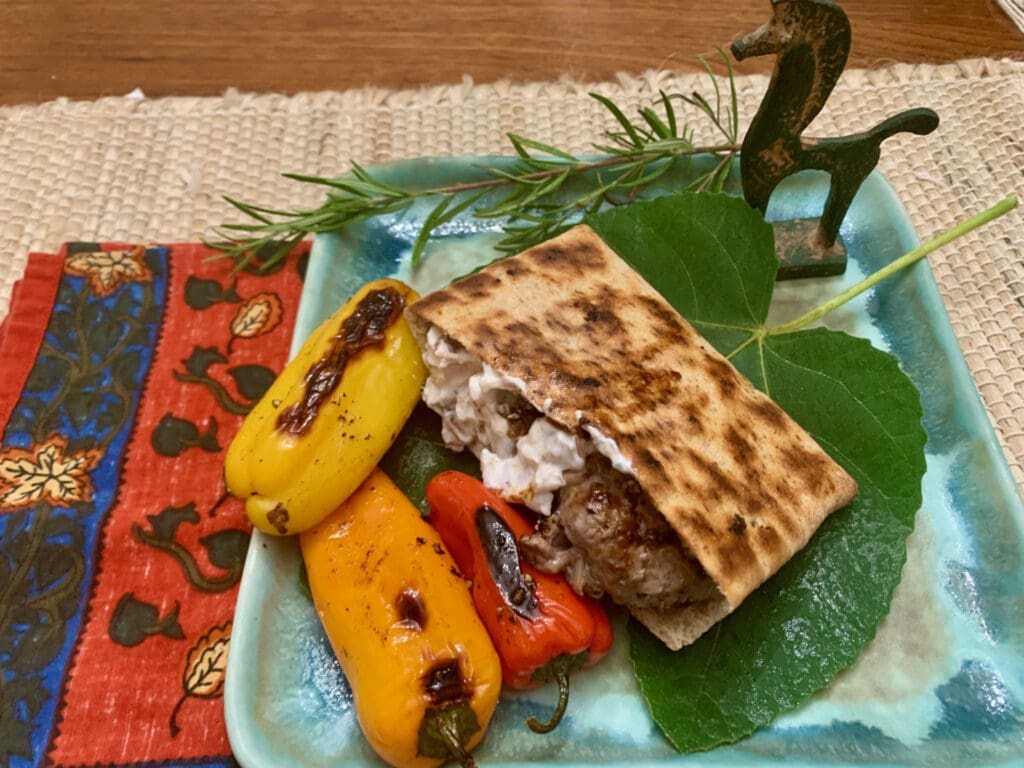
85	50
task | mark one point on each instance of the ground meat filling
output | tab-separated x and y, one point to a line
606	538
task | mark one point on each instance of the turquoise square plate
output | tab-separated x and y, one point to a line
942	684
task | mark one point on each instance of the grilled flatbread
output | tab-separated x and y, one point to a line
595	349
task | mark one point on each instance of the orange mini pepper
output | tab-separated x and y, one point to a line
424	674
541	628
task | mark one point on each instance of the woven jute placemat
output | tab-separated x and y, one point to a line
135	169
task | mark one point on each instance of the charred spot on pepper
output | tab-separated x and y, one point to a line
445	683
503	562
279	517
365	564
364	328
412	612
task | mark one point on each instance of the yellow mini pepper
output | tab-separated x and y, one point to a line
331	415
424	674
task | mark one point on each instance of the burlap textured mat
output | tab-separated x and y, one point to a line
154	170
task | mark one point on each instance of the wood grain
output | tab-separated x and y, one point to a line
85	50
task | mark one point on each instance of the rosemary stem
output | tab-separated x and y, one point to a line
912	257
710	179
590	165
375	203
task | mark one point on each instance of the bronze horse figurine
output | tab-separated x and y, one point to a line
811	41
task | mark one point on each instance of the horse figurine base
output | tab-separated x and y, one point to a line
802	251
811	41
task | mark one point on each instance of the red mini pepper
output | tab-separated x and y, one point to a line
541	628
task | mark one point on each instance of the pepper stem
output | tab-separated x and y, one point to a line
444	732
561	675
449	732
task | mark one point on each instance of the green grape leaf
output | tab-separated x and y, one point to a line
712	257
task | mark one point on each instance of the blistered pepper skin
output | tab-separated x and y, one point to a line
541	629
330	416
402	625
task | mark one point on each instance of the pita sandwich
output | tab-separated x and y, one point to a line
661	476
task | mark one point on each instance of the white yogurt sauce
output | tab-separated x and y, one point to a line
529	469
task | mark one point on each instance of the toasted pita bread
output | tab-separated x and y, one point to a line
741	483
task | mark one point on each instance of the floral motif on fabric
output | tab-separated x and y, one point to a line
49	472
106	271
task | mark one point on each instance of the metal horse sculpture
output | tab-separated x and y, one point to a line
811	40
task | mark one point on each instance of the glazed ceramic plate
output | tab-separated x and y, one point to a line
942	684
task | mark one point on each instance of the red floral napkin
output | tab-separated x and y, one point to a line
127	369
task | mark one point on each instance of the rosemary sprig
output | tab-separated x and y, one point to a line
538	195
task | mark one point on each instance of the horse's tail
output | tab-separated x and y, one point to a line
920	121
